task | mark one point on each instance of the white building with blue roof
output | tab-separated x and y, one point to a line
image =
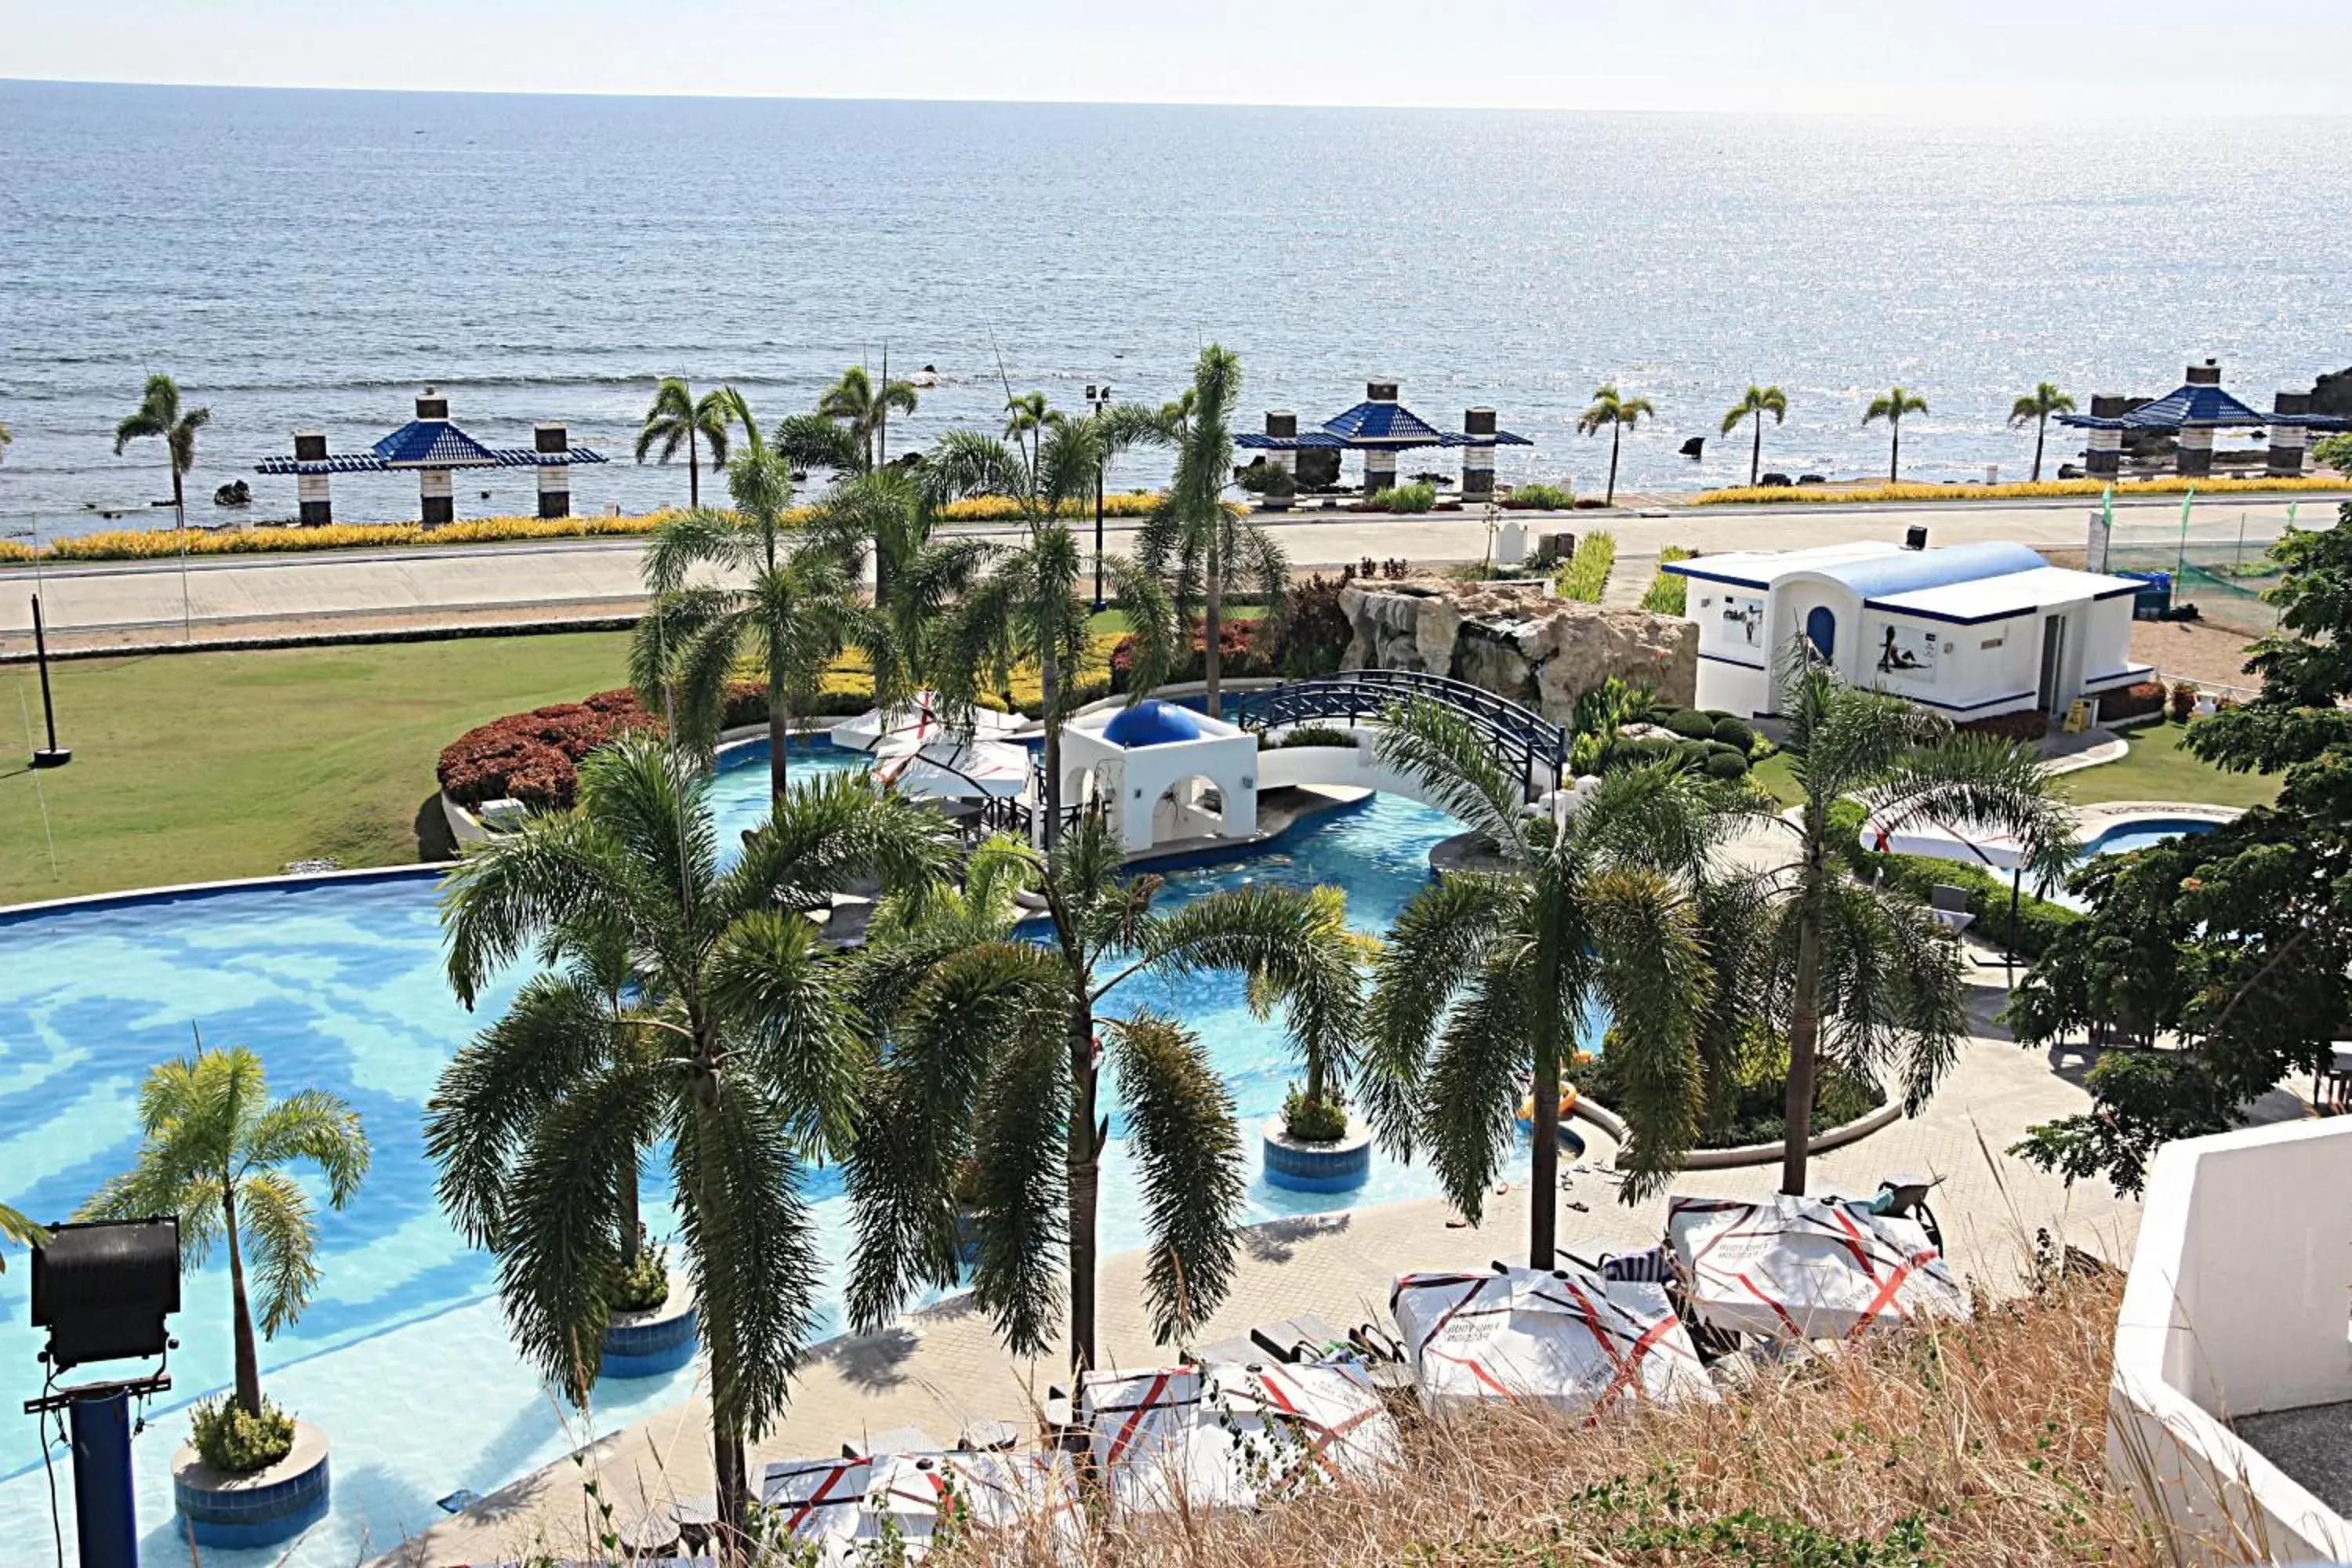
1969	631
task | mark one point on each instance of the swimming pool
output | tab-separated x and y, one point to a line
338	985
2143	833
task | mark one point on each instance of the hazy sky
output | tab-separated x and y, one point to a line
1975	57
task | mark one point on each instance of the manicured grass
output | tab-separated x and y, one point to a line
2157	769
191	767
1773	776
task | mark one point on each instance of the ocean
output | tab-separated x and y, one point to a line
300	258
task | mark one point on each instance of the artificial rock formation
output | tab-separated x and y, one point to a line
1518	641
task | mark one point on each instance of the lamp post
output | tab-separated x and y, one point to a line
1098	400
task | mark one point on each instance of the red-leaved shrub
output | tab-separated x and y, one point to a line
2010	726
534	757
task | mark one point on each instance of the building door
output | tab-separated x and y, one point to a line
1821	630
2053	654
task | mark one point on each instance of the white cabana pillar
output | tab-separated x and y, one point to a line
1380	462
1478	454
553	443
317	507
436	496
2287	439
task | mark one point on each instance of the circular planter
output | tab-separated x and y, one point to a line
1302	1167
237	1513
644	1345
1743	1154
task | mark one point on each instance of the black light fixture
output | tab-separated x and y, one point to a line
52	755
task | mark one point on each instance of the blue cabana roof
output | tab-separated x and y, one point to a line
1376	424
427	444
2203	406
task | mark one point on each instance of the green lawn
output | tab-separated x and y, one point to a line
190	767
2157	769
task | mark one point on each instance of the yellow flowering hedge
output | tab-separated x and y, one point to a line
155	543
1769	495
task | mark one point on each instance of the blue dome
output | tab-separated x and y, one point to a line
1152	724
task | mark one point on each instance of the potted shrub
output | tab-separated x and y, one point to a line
652	1322
1273	484
215	1151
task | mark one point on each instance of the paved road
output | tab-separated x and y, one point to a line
146	601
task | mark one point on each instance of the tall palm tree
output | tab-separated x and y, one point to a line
1486	976
679	419
865	405
745	1059
1616	414
992	1056
213	1152
159	416
1194	536
918	571
1758	401
1859	972
18	1227
2035	409
1892	407
1026	417
784	600
1026	609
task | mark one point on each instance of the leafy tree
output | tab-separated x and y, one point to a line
918	571
159	415
2333	452
992	1060
743	1056
783	600
1892	407
1863	973
213	1153
2035	409
1758	401
1194	537
1616	414
865	405
2223	954
678	417
1026	609
1486	976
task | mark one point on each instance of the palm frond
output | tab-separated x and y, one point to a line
1436	947
1020	1152
311	1124
1472	1085
791	1022
281	1245
1189	1164
1653	974
1447	756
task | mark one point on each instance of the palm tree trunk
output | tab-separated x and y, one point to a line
693	472
1085	1180
2041	433
1213	626
1804	1038
1049	685
179	496
1616	437
626	1193
248	1362
1755	455
1895	451
780	724
734	1488
1543	1172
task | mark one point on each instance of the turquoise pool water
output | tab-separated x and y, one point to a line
402	1356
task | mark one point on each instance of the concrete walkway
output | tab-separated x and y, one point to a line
943	1367
130	602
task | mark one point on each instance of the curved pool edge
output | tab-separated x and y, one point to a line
131	898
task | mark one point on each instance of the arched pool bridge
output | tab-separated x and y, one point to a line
1516	736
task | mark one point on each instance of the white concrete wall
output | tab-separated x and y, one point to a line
1968	675
2236	1304
2106	629
1345	767
1735	654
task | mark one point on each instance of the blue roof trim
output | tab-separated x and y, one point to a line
1685	569
2128	673
369	463
1958	706
2116	593
1947	619
2200	405
1384	424
434	444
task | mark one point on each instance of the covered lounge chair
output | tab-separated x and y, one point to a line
1568	1338
1807	1268
1231	1435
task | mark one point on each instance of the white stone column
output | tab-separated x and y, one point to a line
2194	456
2287	440
1380	470
1478	457
437	497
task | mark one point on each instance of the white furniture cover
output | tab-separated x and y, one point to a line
949	769
820	1501
1568	1338
1807	1268
839	1506
918	720
1230	1435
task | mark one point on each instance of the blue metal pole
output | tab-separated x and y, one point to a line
104	1521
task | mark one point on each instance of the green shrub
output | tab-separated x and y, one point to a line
1732	732
1586	575
644	1287
1752	1106
1306	735
1667	594
2038	920
1691	724
1308	1120
1543	497
1727	765
236	1442
1312	635
1404	497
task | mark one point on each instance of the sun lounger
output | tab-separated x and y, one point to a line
1303	1338
1568	1338
1226	1436
1807	1268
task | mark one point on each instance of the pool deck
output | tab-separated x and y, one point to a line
942	1367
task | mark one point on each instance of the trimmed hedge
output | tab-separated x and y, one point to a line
534	757
2038	920
2134	701
2010	726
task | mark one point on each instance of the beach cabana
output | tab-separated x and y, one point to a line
820	1503
434	449
2191	414
1567	1338
1231	1435
1807	1268
1379	428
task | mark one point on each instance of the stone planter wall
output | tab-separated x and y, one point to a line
645	1344
240	1513
1337	1167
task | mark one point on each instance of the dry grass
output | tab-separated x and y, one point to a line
1979	1444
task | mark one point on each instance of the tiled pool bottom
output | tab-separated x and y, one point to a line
403	1357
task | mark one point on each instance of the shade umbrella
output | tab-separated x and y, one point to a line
948	769
1230	1435
1566	1337
918	718
1968	843
1807	1268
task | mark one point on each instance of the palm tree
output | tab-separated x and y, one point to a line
678	417
1026	608
1758	401
18	1227
1194	536
918	573
2035	409
6	437
1892	407
992	1056
1027	414
785	602
1484	976
213	1153
864	407
159	415
1617	415
1861	974
742	1056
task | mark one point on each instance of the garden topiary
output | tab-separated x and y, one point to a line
1727	765
1308	1120
1691	724
1734	734
646	1286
